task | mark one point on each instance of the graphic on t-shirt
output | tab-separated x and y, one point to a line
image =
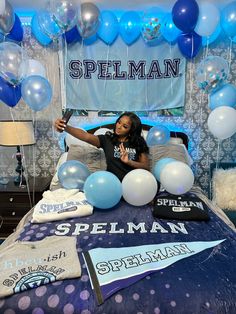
131	152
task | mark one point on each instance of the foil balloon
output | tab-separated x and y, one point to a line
7	18
89	19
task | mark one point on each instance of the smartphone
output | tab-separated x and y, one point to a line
66	116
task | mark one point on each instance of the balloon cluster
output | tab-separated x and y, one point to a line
175	176
10	25
190	24
103	189
22	77
211	76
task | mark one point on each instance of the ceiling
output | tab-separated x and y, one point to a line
29	6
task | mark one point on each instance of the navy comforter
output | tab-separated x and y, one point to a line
202	283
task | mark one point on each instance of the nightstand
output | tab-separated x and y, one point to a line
16	201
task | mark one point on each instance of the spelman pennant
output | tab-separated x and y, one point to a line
111	269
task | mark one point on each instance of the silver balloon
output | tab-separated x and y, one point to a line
89	19
7	19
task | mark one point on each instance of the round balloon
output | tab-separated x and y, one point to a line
129	27
41	37
7	18
211	73
72	35
225	96
109	27
168	29
185	15
151	25
32	67
177	178
36	92
160	165
158	135
139	187
228	20
64	14
48	25
88	19
11	57
208	19
189	44
2	6
207	40
17	31
72	174
9	94
222	122
103	189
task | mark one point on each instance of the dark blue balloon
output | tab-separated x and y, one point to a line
16	32
9	94
185	14
72	35
38	34
189	44
130	26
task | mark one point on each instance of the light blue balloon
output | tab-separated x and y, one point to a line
90	40
158	135
36	92
42	38
103	189
228	20
207	40
160	165
72	174
168	29
225	96
109	27
129	27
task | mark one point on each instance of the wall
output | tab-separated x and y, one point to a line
40	159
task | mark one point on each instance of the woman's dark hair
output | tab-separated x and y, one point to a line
135	134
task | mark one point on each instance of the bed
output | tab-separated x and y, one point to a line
157	265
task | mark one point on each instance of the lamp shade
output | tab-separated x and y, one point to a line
13	133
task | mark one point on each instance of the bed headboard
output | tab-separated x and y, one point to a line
147	127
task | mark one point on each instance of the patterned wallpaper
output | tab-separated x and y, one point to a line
41	159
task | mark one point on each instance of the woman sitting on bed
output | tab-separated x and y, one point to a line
125	149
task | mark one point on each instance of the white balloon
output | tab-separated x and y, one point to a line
71	140
222	122
102	131
177	178
139	187
32	67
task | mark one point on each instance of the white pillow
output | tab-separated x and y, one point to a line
55	180
71	140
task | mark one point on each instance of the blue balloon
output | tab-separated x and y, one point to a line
160	165
228	20
189	44
207	40
225	96
130	23
158	135
185	14
72	174
109	27
16	33
103	189
72	35
168	29
42	38
36	92
9	94
90	40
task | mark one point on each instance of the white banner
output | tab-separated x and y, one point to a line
121	77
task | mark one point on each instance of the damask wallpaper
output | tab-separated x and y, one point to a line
41	158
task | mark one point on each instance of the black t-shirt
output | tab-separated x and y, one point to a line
112	153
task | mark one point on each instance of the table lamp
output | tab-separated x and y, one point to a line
17	133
